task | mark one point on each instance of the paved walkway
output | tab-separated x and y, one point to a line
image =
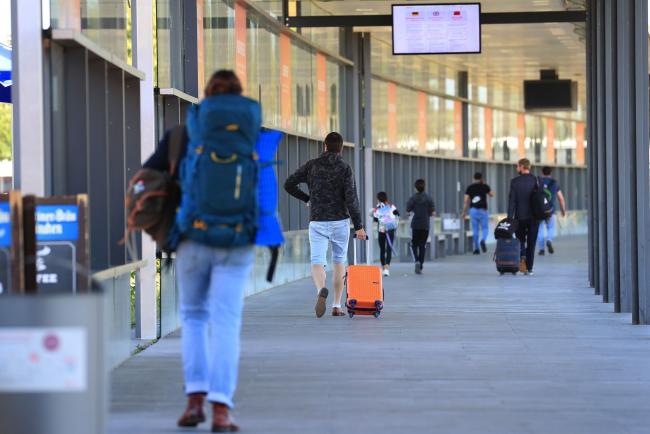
457	350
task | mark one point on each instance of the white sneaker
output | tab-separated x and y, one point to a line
386	272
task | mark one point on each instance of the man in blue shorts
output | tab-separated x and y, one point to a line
332	201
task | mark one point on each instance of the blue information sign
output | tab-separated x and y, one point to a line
5	225
57	222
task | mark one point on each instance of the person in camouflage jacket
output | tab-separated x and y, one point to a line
332	202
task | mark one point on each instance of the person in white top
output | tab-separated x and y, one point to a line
387	218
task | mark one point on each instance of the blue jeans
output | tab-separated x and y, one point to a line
212	282
550	231
322	233
480	219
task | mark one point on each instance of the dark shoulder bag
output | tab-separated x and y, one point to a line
153	196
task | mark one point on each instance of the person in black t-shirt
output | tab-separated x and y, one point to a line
476	200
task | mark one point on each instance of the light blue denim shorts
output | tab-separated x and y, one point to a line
322	233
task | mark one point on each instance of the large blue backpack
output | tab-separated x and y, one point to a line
219	175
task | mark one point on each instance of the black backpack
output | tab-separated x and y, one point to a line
540	203
505	229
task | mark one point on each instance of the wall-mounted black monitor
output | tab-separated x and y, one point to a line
550	95
437	28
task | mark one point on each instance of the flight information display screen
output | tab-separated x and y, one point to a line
437	28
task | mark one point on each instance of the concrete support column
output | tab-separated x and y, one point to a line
144	61
368	156
462	90
350	96
618	81
28	97
590	158
623	62
601	153
639	157
610	109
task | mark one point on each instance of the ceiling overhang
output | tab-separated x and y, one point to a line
570	16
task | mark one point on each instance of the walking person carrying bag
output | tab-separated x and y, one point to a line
215	229
387	218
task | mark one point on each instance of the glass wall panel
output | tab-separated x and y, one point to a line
169	44
504	143
407	120
273	7
218	36
400	123
108	23
261	61
380	114
105	22
264	68
413	70
303	86
476	118
325	37
440	126
332	90
565	142
535	135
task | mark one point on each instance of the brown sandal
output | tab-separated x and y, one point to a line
336	311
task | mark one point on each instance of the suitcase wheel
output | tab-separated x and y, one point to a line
379	304
501	273
376	314
351	313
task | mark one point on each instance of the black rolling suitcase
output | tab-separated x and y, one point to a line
506	255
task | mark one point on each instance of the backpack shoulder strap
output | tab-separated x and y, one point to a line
176	137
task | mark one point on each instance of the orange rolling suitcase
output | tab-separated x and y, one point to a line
365	291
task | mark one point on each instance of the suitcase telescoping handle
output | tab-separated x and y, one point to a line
354	248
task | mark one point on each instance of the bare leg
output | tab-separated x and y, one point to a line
339	273
318	276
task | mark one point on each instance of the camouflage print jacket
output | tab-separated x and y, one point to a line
332	191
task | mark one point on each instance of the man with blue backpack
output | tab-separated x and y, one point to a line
552	190
216	227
